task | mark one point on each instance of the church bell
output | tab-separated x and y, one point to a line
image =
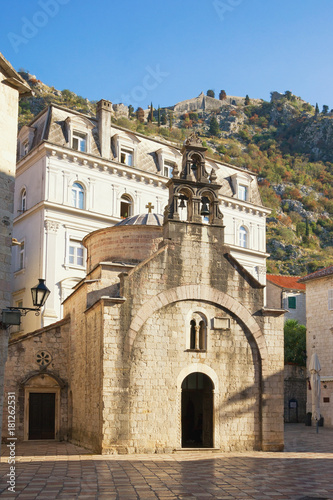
204	209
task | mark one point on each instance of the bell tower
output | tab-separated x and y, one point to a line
193	188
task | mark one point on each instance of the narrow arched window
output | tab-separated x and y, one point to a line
77	195
126	205
192	334
23	203
197	332
202	335
243	237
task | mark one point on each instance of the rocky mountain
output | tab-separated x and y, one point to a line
287	142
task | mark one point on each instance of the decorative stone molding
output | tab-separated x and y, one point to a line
51	226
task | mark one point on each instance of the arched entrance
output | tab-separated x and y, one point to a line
197	411
42	407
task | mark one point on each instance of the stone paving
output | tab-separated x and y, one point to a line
49	470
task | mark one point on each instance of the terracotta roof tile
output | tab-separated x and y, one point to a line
290	282
321	273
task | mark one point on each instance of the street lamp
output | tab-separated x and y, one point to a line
12	315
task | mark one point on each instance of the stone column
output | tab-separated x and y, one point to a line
50	313
272	383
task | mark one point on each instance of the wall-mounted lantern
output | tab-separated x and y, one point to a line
12	315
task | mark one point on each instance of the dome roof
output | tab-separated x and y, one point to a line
142	220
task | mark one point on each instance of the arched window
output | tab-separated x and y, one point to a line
198	332
243	237
77	195
126	204
23	202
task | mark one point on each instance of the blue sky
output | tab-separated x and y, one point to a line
165	51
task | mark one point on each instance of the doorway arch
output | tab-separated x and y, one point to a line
197	410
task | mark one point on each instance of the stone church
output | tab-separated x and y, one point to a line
165	344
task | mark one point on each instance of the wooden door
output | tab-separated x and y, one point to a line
41	415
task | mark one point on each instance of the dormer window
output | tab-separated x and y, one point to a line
168	168
242	192
126	157
79	141
25	148
167	160
241	183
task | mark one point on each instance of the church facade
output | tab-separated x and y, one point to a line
165	344
76	174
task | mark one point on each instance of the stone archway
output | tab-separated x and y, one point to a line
203	293
42	407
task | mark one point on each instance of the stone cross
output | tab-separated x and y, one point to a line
150	207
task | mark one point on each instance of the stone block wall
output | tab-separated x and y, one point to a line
22	370
191	271
320	340
85	369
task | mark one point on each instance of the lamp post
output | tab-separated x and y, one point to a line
12	315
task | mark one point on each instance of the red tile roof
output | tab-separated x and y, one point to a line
290	282
321	273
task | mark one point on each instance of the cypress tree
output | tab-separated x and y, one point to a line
214	128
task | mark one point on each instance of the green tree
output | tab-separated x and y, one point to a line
317	109
151	114
130	110
163	118
170	120
140	115
210	93
307	228
247	100
214	128
222	95
288	95
294	342
159	116
325	109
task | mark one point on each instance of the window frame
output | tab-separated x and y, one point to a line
243	192
243	237
23	200
75	195
81	138
169	166
128	154
126	200
21	256
76	244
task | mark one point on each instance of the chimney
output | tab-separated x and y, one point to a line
103	114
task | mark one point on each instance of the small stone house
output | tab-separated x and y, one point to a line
287	293
319	338
165	344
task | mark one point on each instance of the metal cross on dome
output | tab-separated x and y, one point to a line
150	207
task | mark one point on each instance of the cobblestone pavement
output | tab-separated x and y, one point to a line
49	470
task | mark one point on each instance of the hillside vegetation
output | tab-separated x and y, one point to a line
287	142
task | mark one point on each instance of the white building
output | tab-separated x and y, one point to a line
76	174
